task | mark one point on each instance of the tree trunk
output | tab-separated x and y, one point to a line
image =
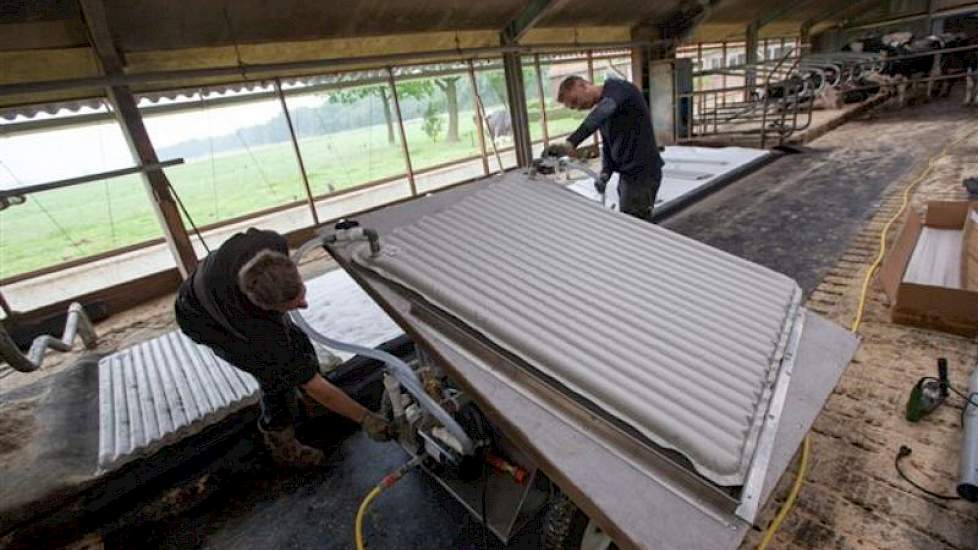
451	94
388	117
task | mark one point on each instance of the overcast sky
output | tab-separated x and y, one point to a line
39	157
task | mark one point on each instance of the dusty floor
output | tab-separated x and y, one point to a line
852	497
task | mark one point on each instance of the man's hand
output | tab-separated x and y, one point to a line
558	150
601	183
377	427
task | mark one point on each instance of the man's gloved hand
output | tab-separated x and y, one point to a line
558	150
377	427
601	183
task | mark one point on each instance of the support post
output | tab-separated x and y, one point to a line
805	36
697	80
641	57
480	122
156	181
543	100
930	16
298	152
723	74
750	51
596	137
515	92
130	120
400	125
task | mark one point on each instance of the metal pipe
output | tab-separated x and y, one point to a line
479	121
723	67
76	324
242	71
298	152
29	189
543	101
400	125
968	485
596	136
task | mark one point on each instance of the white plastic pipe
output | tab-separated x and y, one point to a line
397	368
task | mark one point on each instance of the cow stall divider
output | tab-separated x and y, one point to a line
795	85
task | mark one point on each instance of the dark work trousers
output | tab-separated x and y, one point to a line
279	409
279	406
636	193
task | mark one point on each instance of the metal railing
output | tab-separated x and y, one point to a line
783	104
77	323
769	112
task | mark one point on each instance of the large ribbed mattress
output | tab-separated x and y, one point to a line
677	340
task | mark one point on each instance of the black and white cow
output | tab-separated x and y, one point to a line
908	64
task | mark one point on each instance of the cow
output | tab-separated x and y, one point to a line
900	71
963	63
499	124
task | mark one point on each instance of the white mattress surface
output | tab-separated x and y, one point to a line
678	340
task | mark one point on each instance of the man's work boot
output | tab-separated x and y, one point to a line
287	451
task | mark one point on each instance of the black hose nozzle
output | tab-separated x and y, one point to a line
374	239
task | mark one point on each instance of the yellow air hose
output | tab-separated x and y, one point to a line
358	534
806	448
388	481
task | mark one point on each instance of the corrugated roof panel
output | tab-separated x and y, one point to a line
160	391
674	338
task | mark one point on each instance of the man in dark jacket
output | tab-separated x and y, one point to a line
236	302
619	112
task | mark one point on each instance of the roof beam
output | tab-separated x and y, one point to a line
681	22
782	9
850	9
98	31
530	16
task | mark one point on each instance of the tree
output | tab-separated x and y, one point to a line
353	95
416	89
432	122
448	86
497	84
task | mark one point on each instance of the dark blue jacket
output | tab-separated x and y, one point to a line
623	118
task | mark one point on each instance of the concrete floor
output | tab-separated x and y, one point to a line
813	216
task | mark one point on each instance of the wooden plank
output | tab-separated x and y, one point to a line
157	184
480	122
400	126
131	121
543	100
513	69
295	148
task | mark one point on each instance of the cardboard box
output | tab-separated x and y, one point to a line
948	308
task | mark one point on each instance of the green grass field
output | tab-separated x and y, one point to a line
58	226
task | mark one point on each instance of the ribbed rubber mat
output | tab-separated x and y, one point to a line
160	391
676	339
